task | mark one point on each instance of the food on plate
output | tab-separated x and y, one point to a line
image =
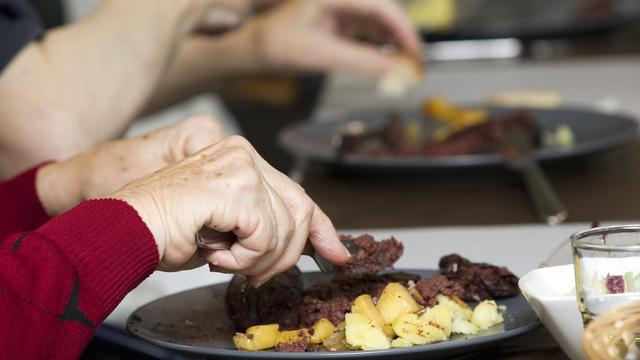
363	333
372	256
454	117
277	301
480	281
394	301
292	340
406	72
258	337
320	331
445	129
561	137
373	311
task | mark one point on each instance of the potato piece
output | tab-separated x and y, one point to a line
321	330
441	315
486	314
364	334
363	304
459	308
409	327
394	301
291	336
461	326
401	343
259	337
336	341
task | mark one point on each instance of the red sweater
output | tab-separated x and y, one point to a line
61	277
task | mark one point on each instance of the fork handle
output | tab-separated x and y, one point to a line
546	200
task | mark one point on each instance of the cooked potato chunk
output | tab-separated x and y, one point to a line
364	333
394	301
459	308
321	330
461	326
401	343
336	341
410	328
291	336
363	304
441	315
486	314
256	338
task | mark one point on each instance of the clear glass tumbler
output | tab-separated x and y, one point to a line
607	267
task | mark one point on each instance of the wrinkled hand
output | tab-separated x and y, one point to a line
228	188
319	35
109	166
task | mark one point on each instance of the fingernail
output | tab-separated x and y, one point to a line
346	251
214	261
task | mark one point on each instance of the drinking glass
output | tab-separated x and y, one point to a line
607	268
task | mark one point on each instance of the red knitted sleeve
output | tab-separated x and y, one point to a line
20	208
60	281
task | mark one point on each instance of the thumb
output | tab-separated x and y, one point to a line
325	240
190	135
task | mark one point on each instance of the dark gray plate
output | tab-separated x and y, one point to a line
195	322
593	132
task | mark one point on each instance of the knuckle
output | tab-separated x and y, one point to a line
272	244
238	141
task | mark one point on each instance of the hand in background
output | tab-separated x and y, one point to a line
110	166
228	188
321	35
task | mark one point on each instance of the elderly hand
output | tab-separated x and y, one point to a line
229	189
108	167
319	35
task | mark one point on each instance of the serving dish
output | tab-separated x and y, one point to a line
593	132
195	322
551	293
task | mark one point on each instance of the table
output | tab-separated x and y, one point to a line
602	187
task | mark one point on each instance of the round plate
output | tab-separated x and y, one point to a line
195	322
593	132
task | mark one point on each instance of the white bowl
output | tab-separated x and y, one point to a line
551	293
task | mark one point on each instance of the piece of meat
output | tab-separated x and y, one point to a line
429	288
373	256
480	281
277	301
483	138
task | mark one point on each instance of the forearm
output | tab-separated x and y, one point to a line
60	282
90	79
207	63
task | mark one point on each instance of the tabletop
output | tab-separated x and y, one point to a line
602	187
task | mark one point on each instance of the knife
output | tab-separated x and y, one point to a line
518	146
223	241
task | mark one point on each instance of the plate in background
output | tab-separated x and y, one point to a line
593	132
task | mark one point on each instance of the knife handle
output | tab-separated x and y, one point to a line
547	202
